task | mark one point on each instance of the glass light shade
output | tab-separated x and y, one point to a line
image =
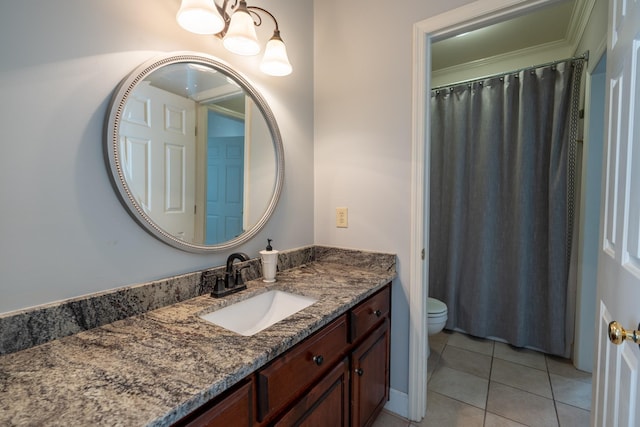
275	61
241	37
200	17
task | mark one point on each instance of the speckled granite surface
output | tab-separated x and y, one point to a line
154	368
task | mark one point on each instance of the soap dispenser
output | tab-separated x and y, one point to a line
269	258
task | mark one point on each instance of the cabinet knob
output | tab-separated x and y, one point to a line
359	371
318	360
378	313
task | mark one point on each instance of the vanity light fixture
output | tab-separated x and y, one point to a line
235	23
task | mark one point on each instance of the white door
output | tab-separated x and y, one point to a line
615	390
158	152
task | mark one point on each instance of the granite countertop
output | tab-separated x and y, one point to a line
156	367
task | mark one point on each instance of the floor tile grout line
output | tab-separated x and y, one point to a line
553	394
486	410
486	403
439	363
449	397
520	364
525	390
458	400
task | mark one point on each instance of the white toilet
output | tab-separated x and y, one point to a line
437	312
437	315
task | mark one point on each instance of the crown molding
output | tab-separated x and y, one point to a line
556	50
579	20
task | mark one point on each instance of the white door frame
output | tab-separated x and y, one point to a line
470	16
589	224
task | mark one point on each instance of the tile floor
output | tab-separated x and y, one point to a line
474	382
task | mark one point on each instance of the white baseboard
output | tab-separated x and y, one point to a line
398	403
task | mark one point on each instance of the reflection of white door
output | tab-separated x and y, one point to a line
616	398
159	160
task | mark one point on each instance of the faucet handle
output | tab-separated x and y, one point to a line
238	278
218	287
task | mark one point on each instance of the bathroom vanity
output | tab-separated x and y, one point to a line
338	376
169	366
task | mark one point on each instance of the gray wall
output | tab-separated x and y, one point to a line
363	78
64	232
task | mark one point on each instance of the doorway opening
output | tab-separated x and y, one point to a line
469	17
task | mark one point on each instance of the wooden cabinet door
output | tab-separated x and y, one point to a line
370	377
231	409
326	404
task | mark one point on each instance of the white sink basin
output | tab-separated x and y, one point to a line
250	316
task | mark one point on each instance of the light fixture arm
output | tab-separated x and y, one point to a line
222	10
252	9
259	22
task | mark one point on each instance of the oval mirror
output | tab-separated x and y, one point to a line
194	152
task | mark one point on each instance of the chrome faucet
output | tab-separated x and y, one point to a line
232	281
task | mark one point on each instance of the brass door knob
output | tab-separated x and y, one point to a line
617	334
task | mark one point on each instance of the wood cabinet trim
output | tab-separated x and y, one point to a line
360	375
226	408
368	314
337	380
289	376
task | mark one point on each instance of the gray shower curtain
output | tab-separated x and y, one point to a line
501	215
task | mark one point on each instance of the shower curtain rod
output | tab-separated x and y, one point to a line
584	56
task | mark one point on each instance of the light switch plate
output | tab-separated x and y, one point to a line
342	217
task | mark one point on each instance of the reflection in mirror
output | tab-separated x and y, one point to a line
195	152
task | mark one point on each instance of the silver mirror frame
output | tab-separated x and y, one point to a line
112	155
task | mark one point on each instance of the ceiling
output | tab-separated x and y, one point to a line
553	24
203	84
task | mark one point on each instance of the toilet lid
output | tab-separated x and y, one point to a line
435	306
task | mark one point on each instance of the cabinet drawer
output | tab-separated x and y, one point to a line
293	372
369	313
232	408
